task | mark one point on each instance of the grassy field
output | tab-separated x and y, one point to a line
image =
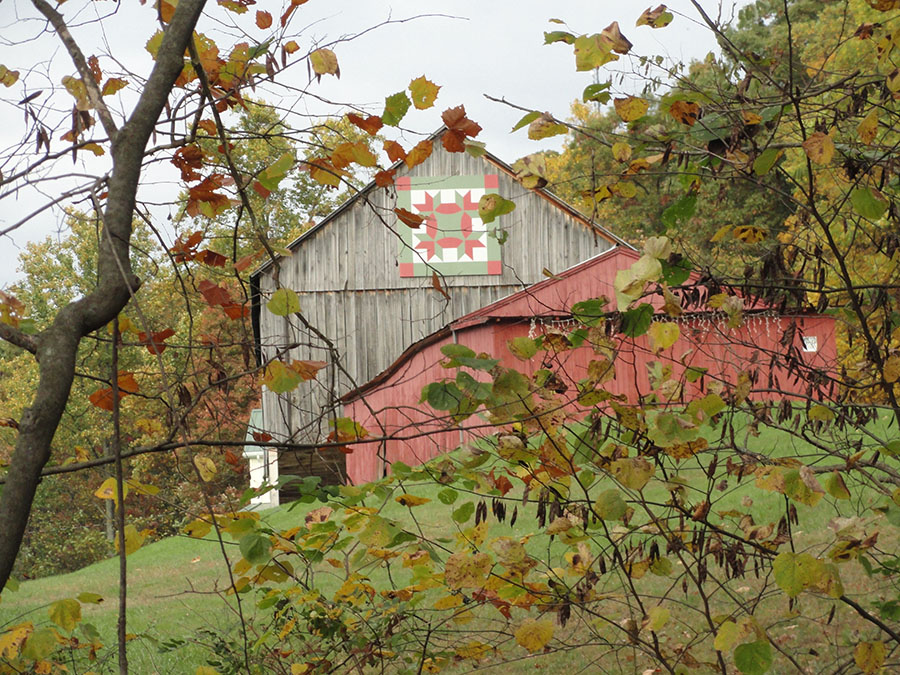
176	585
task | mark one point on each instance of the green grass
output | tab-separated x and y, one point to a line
176	585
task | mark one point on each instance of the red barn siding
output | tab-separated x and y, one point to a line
389	405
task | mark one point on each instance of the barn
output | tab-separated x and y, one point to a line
366	282
389	404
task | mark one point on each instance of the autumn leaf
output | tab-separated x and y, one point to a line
459	127
349	153
213	293
685	112
409	218
324	62
411	500
630	108
113	85
103	398
155	342
614	38
663	334
284	302
749	234
466	570
868	128
592	51
370	124
263	19
492	206
869	656
423	92
545	126
819	148
438	286
621	151
395	151
385	178
307	370
8	77
419	154
655	18
65	613
534	634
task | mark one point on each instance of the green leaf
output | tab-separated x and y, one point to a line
632	472
454	350
609	505
753	658
558	36
596	92
836	487
677	272
442	395
284	302
765	161
65	613
867	204
679	212
527	119
256	548
40	644
447	496
492	206
788	574
636	321
395	107
591	51
590	312
726	636
522	347
464	512
272	175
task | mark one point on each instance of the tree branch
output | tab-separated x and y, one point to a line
93	91
18	338
58	346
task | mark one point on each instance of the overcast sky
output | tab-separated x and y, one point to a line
468	47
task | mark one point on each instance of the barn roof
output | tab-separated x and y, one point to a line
490	158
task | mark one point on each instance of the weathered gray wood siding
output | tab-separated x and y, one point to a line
347	277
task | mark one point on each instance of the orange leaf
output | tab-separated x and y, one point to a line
155	343
414	220
261	190
685	112
385	178
307	369
370	124
290	10
103	398
263	19
395	151
235	311
419	154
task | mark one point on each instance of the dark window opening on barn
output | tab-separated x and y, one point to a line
810	343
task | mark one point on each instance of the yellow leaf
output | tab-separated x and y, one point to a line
324	62
663	334
473	650
411	500
107	490
534	634
630	108
868	128
206	467
726	636
463	570
892	368
632	472
658	617
65	613
133	539
449	602
299	668
621	151
113	85
197	528
423	92
869	656
11	641
206	670
819	148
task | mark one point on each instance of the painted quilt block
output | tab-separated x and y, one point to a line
452	240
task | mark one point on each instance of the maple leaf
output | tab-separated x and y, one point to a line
424	92
211	258
419	154
458	128
103	398
370	124
213	293
204	200
385	178
395	151
155	341
184	250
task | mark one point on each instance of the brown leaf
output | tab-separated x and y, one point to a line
409	218
385	178
263	19
614	38
819	148
213	293
436	285
458	128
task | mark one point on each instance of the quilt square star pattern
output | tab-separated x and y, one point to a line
453	240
